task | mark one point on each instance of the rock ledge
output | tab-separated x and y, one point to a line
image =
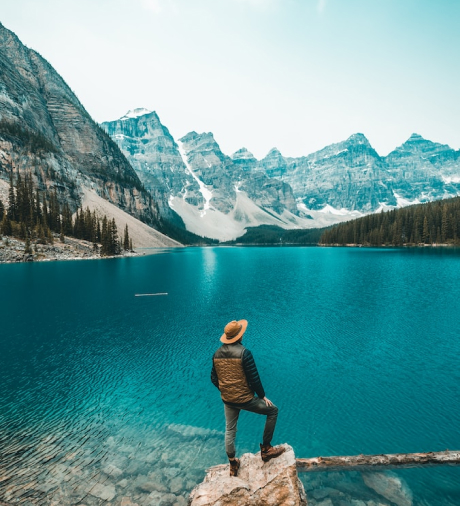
274	483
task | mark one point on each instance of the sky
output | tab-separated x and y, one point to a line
293	74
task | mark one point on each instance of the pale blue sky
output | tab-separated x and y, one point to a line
295	74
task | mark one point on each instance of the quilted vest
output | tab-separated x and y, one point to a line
233	385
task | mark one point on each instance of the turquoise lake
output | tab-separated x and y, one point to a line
106	395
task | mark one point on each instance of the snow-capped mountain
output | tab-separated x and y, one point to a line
347	175
220	196
46	132
154	155
214	195
423	170
350	175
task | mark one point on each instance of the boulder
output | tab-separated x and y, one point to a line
273	483
389	486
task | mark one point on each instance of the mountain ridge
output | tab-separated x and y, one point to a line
338	182
45	131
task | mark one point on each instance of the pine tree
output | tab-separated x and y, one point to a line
98	231
444	224
126	239
114	244
27	248
7	229
426	232
105	240
2	210
37	208
12	210
66	220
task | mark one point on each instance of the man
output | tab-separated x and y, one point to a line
234	373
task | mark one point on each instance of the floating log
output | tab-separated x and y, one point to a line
378	462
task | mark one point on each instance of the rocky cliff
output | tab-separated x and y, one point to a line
349	175
213	194
423	170
352	176
154	155
274	483
45	130
220	196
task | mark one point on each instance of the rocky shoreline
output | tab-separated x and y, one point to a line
12	250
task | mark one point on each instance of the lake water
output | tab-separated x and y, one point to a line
106	395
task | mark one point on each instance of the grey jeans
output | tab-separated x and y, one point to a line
232	413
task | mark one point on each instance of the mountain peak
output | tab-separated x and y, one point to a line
195	136
274	153
135	113
415	137
358	138
243	154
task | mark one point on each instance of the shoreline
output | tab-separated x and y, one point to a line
12	251
385	246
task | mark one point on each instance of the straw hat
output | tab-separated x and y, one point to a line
233	331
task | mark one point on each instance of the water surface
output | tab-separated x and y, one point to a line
106	395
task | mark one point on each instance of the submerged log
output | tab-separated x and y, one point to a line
378	462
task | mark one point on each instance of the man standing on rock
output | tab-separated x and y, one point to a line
234	373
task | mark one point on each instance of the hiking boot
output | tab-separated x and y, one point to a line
268	452
234	466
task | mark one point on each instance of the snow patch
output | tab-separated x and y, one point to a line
246	213
205	192
135	113
339	212
450	179
327	216
402	202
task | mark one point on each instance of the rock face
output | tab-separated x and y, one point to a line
351	175
219	196
389	486
347	175
424	170
45	130
274	483
213	194
154	155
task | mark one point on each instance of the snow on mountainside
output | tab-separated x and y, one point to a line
351	175
220	196
135	113
212	194
46	132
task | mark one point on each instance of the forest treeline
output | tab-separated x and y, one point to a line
34	216
430	223
271	234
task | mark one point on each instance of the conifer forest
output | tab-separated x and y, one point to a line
430	223
36	217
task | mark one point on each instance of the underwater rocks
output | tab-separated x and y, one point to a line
354	488
389	486
161	466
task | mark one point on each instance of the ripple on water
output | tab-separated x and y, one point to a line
108	396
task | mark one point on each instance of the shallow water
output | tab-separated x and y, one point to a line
106	395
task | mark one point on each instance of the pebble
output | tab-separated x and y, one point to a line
104	492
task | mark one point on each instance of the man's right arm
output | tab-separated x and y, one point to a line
214	378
